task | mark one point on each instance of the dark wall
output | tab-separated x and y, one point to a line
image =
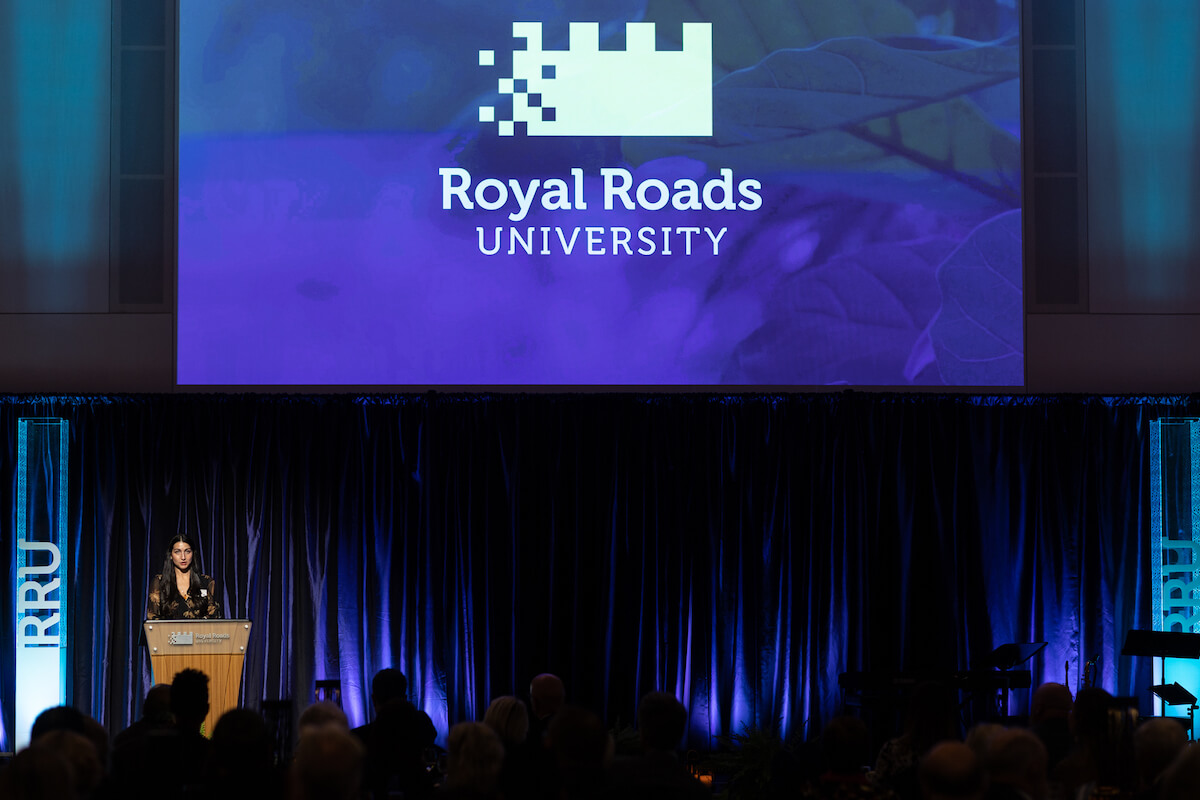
87	186
86	176
1111	301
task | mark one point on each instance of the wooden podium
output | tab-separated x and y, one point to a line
216	647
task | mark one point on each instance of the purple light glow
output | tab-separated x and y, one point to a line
398	293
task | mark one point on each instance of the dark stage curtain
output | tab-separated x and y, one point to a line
739	551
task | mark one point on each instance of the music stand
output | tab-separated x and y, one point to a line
1010	655
1175	695
1164	645
1004	658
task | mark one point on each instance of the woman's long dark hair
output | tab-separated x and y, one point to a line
167	578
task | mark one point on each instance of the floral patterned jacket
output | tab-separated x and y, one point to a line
200	603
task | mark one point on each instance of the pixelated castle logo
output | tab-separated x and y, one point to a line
586	91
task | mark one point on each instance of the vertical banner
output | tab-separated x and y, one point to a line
1143	116
40	656
1175	554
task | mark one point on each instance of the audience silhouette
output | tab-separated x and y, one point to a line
1156	744
951	771
546	696
329	765
242	761
521	774
164	754
474	757
657	774
396	740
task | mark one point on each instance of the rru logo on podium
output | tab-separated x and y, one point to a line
586	91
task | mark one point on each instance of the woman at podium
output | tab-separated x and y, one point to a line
180	591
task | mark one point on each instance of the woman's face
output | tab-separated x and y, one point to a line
181	556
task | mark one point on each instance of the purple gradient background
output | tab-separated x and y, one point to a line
401	293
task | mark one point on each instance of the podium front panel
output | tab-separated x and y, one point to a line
216	647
